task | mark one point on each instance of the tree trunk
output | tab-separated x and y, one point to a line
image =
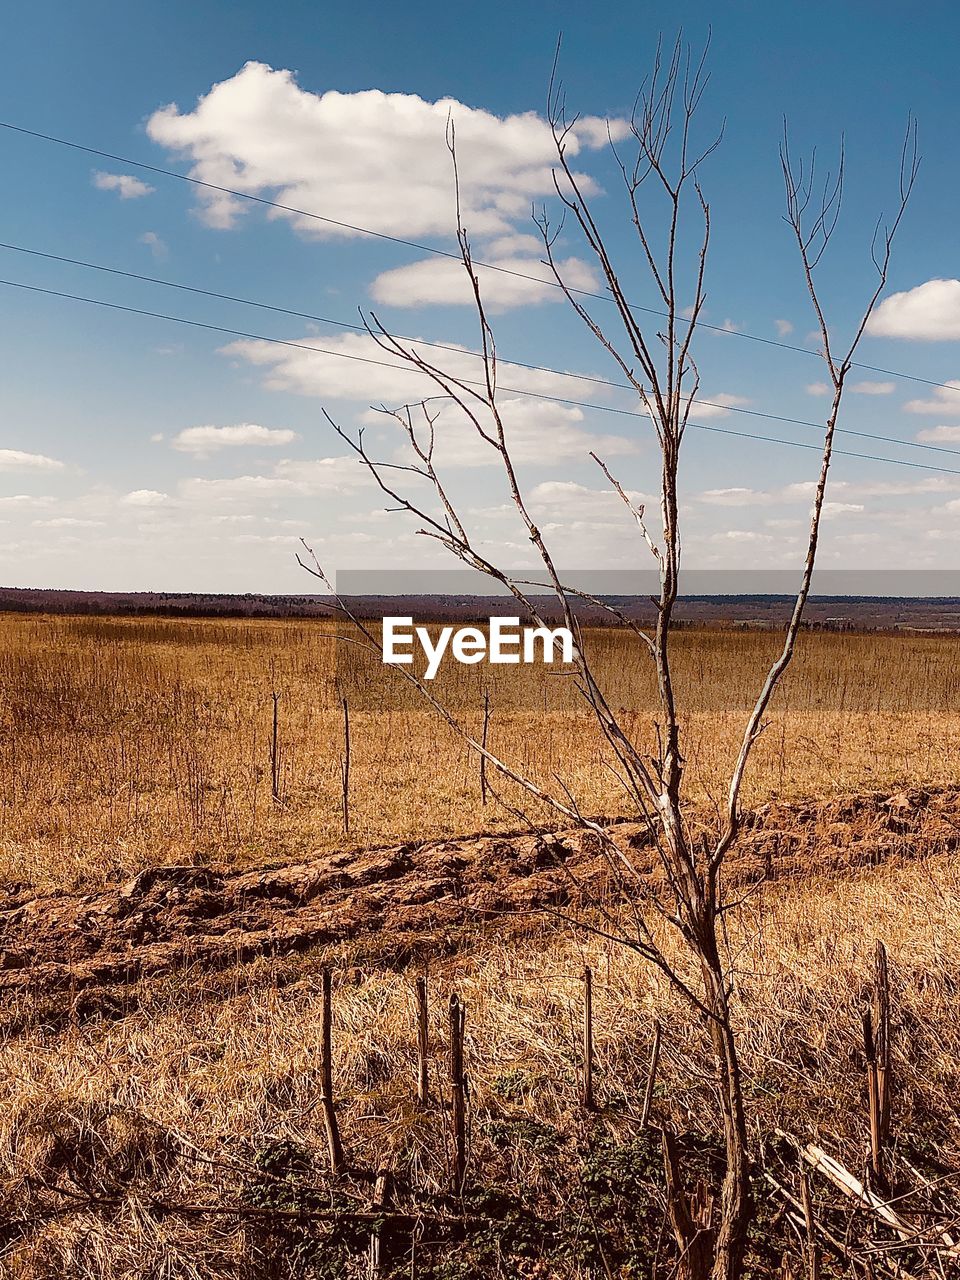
736	1197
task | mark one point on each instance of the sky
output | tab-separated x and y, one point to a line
144	453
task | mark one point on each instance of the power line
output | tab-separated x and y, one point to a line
437	251
385	364
443	346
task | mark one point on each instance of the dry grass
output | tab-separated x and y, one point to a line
124	744
235	1080
129	743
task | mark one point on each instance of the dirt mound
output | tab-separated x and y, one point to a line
170	918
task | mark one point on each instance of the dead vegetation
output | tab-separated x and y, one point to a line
186	1137
127	744
161	1063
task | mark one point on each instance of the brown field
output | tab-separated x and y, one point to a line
167	1124
132	743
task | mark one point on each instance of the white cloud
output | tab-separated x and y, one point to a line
535	431
509	245
930	312
872	388
22	501
579	502
353	367
203	441
945	400
858	388
125	184
371	159
17	460
939	435
324	475
740	535
729	327
719	406
288	479
784	328
145	498
154	243
504	284
68	522
848	492
735	497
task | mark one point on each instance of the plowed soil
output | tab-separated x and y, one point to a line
408	895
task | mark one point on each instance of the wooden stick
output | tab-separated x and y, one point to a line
651	1075
689	1216
812	1255
851	1186
334	1145
345	768
873	1102
876	1043
423	1042
275	749
587	1097
382	1190
483	743
882	1016
458	1089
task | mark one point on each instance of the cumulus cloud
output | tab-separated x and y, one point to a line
203	441
505	283
579	501
784	328
845	493
534	431
865	388
939	435
17	460
145	498
68	522
23	501
928	313
945	400
287	479
349	155
872	388
716	406
735	497
155	244
353	367
125	184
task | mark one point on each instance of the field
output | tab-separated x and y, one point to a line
173	883
132	743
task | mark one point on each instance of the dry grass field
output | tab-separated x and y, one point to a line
125	744
172	1127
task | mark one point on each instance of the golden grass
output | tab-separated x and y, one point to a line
125	743
129	743
228	1079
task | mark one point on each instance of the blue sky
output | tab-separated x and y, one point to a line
140	454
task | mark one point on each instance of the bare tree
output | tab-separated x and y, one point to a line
661	180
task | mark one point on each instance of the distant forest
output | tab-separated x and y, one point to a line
833	613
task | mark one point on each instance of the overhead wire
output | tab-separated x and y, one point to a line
458	350
436	250
369	360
